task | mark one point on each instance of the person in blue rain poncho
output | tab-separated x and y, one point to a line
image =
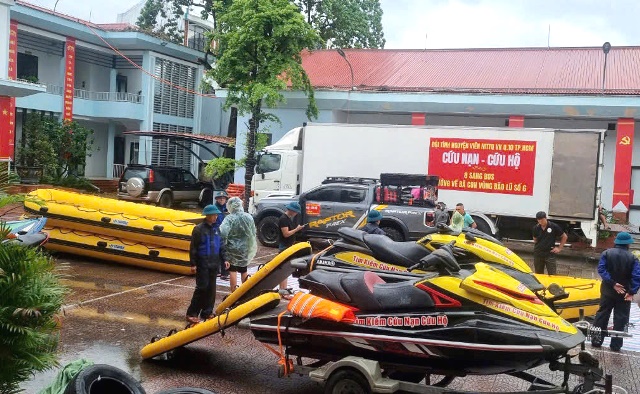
238	232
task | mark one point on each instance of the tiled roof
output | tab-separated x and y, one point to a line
117	27
100	26
509	70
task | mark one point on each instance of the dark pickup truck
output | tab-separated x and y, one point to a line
406	202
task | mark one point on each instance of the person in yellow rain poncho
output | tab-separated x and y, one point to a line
238	232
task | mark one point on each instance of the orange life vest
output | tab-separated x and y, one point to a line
309	306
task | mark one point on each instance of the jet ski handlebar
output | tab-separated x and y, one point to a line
442	258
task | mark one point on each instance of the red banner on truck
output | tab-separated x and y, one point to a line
489	166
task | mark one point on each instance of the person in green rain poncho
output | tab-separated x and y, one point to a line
457	221
238	232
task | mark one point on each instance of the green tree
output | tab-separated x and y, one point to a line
259	56
61	148
31	297
170	14
345	23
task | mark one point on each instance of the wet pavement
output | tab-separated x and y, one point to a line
113	310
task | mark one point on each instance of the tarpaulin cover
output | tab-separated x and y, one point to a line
238	231
59	385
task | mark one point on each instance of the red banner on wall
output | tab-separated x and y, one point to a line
489	166
622	171
69	78
8	104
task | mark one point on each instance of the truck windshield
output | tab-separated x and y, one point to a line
268	162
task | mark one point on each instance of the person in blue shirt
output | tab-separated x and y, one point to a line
620	273
206	255
468	220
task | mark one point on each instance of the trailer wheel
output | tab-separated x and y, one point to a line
268	231
347	381
393	233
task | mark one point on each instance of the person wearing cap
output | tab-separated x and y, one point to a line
289	225
206	254
620	273
221	198
545	234
373	223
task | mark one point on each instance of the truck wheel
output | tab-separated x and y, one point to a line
347	381
166	200
482	226
268	231
393	233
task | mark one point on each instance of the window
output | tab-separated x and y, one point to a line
268	162
188	178
352	195
27	67
169	100
164	153
328	194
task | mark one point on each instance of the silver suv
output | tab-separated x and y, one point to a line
163	186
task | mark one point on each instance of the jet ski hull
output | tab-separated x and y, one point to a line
452	343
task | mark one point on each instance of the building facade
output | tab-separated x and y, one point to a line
110	78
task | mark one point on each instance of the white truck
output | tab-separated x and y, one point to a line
503	176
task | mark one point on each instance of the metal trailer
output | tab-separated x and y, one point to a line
356	375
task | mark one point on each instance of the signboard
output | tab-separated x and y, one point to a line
8	104
69	78
481	165
312	209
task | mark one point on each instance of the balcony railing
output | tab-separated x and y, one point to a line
118	170
97	96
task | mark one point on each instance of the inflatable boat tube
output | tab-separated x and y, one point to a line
123	219
267	277
114	249
583	294
211	326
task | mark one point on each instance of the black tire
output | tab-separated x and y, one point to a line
347	381
103	378
166	200
186	390
268	231
207	198
482	226
393	233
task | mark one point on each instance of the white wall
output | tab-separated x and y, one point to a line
134	79
97	162
96	78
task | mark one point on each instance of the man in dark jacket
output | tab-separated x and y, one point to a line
545	234
620	272
373	223
206	254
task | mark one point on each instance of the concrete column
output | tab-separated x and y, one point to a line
112	80
111	134
622	169
5	22
148	63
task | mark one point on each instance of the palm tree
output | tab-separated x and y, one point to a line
30	299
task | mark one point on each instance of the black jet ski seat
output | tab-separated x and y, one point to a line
384	248
365	290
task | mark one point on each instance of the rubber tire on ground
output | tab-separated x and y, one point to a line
207	198
166	200
103	379
268	231
186	390
347	381
482	226
393	233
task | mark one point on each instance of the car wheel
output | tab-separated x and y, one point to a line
483	226
103	378
207	198
393	233
268	231
166	200
135	187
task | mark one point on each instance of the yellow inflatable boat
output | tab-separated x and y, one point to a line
114	218
118	250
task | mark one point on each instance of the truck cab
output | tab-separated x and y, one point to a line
278	168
